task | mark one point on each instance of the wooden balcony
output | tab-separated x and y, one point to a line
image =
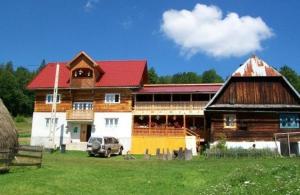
80	115
139	131
169	108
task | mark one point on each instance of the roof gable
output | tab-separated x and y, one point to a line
82	56
260	68
255	67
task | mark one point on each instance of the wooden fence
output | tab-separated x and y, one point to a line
25	156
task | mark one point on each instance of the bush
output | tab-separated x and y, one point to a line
240	152
20	119
221	144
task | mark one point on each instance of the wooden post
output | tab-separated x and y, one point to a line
152	106
191	102
288	136
134	103
171	105
149	125
184	124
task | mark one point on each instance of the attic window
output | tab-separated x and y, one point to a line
82	73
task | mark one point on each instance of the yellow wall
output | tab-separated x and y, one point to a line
140	143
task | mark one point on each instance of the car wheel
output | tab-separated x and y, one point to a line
120	151
90	154
108	153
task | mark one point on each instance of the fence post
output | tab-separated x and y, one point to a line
289	147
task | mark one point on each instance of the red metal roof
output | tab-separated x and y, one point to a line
180	88
116	74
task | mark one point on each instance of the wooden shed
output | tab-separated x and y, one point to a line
254	103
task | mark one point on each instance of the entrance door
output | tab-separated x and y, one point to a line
83	133
88	132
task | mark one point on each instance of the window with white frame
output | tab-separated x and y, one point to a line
112	98
111	122
229	121
289	121
83	106
48	120
49	98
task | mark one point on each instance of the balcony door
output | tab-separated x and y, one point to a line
83	106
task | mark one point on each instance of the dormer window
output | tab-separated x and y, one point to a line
82	72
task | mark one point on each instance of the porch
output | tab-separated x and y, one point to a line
169	125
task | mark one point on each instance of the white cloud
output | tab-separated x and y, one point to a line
90	4
127	23
205	30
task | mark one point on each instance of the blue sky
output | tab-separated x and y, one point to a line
57	30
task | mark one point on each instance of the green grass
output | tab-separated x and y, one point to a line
23	125
75	173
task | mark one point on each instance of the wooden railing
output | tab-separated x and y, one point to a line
80	115
169	106
158	131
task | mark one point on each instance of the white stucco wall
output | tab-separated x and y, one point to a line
190	143
122	131
40	132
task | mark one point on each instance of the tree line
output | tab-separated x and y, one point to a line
20	101
13	91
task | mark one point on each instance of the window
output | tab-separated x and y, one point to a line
82	72
229	121
83	106
289	121
49	98
112	98
111	122
108	140
48	121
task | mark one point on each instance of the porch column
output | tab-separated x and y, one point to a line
184	124
149	125
166	121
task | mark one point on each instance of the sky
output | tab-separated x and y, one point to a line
172	35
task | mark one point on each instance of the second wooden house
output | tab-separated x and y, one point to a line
254	104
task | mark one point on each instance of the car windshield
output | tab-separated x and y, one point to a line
92	139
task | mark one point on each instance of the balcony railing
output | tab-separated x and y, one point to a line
169	107
80	115
158	131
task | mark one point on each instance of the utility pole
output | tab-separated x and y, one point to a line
53	110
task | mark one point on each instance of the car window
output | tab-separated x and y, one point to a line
92	139
115	141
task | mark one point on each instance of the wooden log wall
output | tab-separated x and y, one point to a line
257	90
97	96
249	127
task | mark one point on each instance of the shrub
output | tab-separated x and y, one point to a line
20	119
221	144
240	152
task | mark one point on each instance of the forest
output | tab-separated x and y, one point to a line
19	100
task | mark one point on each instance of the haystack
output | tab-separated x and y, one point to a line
8	132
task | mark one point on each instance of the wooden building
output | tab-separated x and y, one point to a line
111	98
255	103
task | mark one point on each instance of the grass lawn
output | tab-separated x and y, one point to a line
75	173
24	129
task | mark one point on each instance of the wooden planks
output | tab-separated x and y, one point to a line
97	96
257	90
250	127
